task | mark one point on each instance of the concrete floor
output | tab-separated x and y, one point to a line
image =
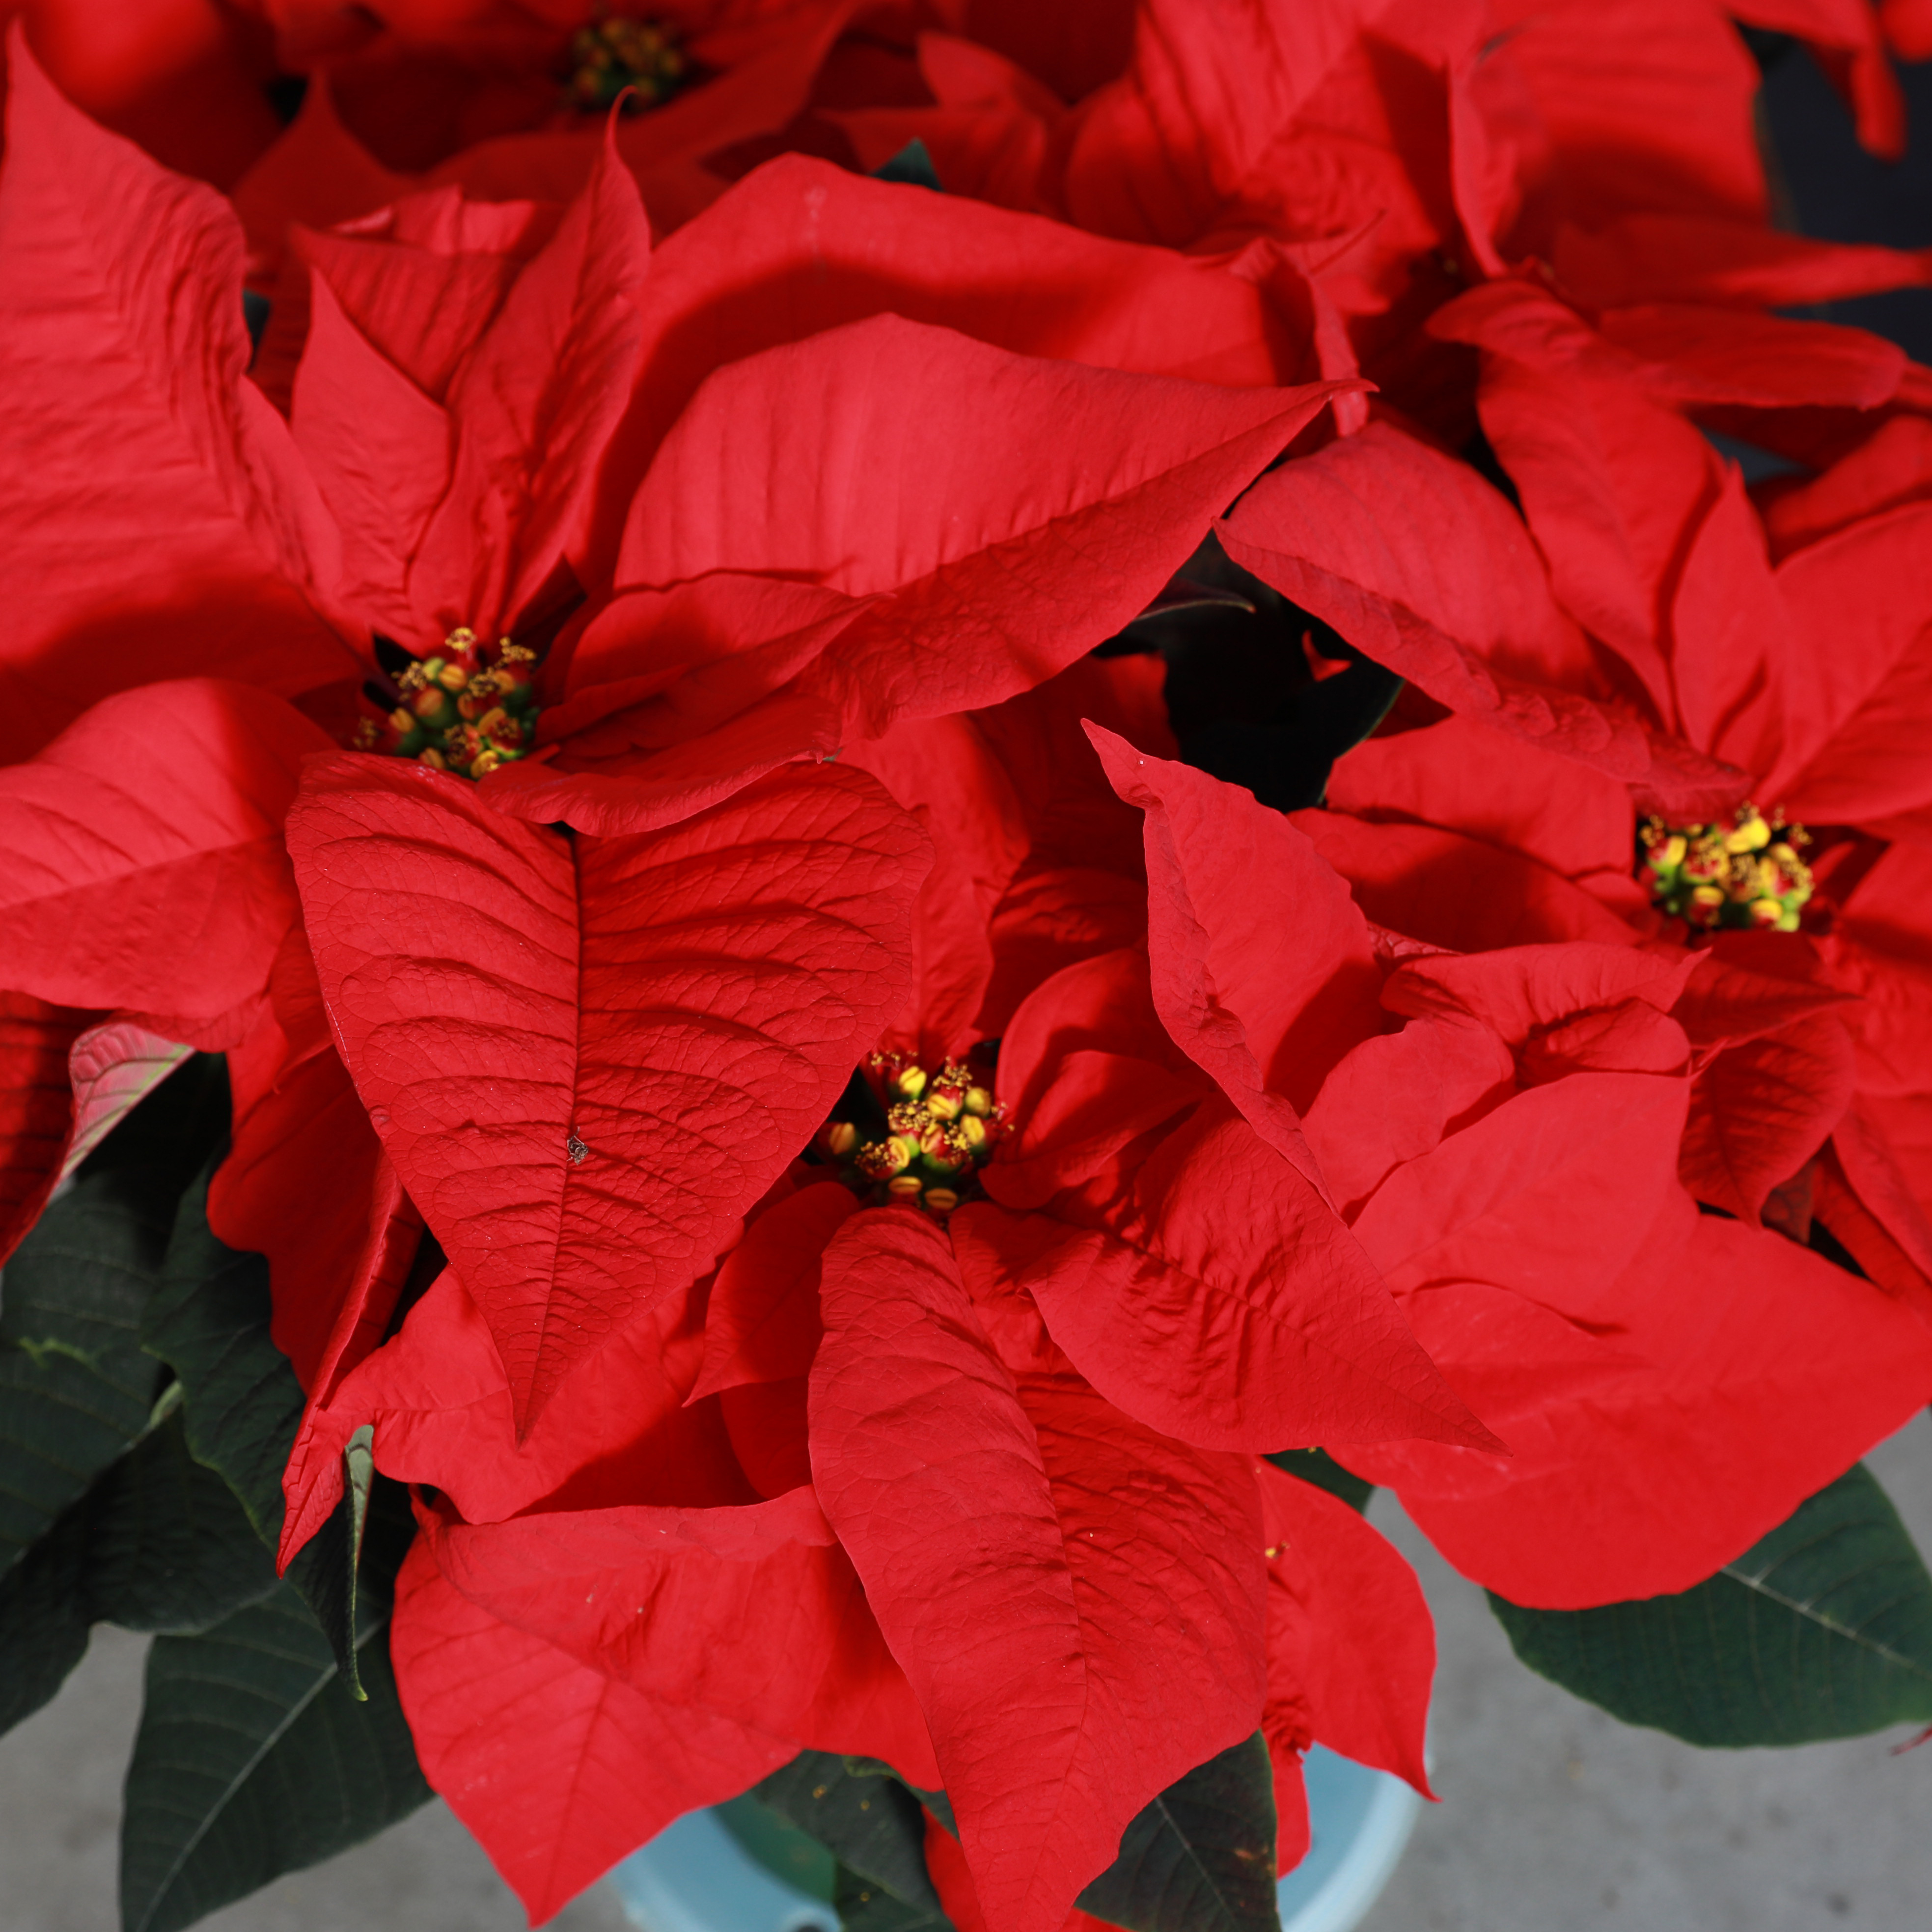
1554	1818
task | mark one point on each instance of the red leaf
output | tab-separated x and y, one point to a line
1551	1193
1521	991
439	1402
145	867
1021	571
1761	1108
1351	1649
752	1612
762	1325
587	1061
1656	257
114	1067
1464	777
1394	1096
558	1770
1159	151
175	546
1456	892
1218	1300
1073	1654
533	406
799	247
1412	556
37	1109
1855	725
1773	1373
1261	963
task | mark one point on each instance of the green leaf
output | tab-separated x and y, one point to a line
253	1759
75	1387
872	1825
169	1548
781	1848
209	1321
1822	1630
43	1620
157	1544
1318	1467
864	1905
1200	1857
912	166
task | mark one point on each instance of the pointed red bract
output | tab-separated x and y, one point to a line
1122	473
174	545
1073	1655
1227	879
752	1612
36	1107
1417	561
586	1061
145	867
559	1770
762	1325
1351	1649
1761	1108
1220	1301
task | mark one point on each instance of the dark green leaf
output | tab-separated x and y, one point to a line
209	1321
1200	1857
43	1621
871	1824
1318	1467
911	166
75	1387
253	1759
780	1847
157	1544
1822	1630
169	1548
864	1905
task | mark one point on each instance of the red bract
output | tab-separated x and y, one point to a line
1064	1682
1521	1197
1777	663
1073	1656
651	1026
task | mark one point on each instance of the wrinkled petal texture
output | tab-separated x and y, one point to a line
558	1770
145	867
1077	1603
587	1060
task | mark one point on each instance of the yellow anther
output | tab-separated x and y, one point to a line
910	1081
1750	834
905	1187
1671	854
1766	912
978	1100
941	1200
1709	896
944	1103
971	1129
840	1137
430	756
452	677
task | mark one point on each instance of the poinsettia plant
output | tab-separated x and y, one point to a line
843	842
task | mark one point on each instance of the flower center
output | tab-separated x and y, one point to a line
941	1129
467	708
616	53
1740	872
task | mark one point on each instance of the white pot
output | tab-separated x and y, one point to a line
696	1877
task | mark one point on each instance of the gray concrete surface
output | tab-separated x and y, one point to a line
1555	1818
